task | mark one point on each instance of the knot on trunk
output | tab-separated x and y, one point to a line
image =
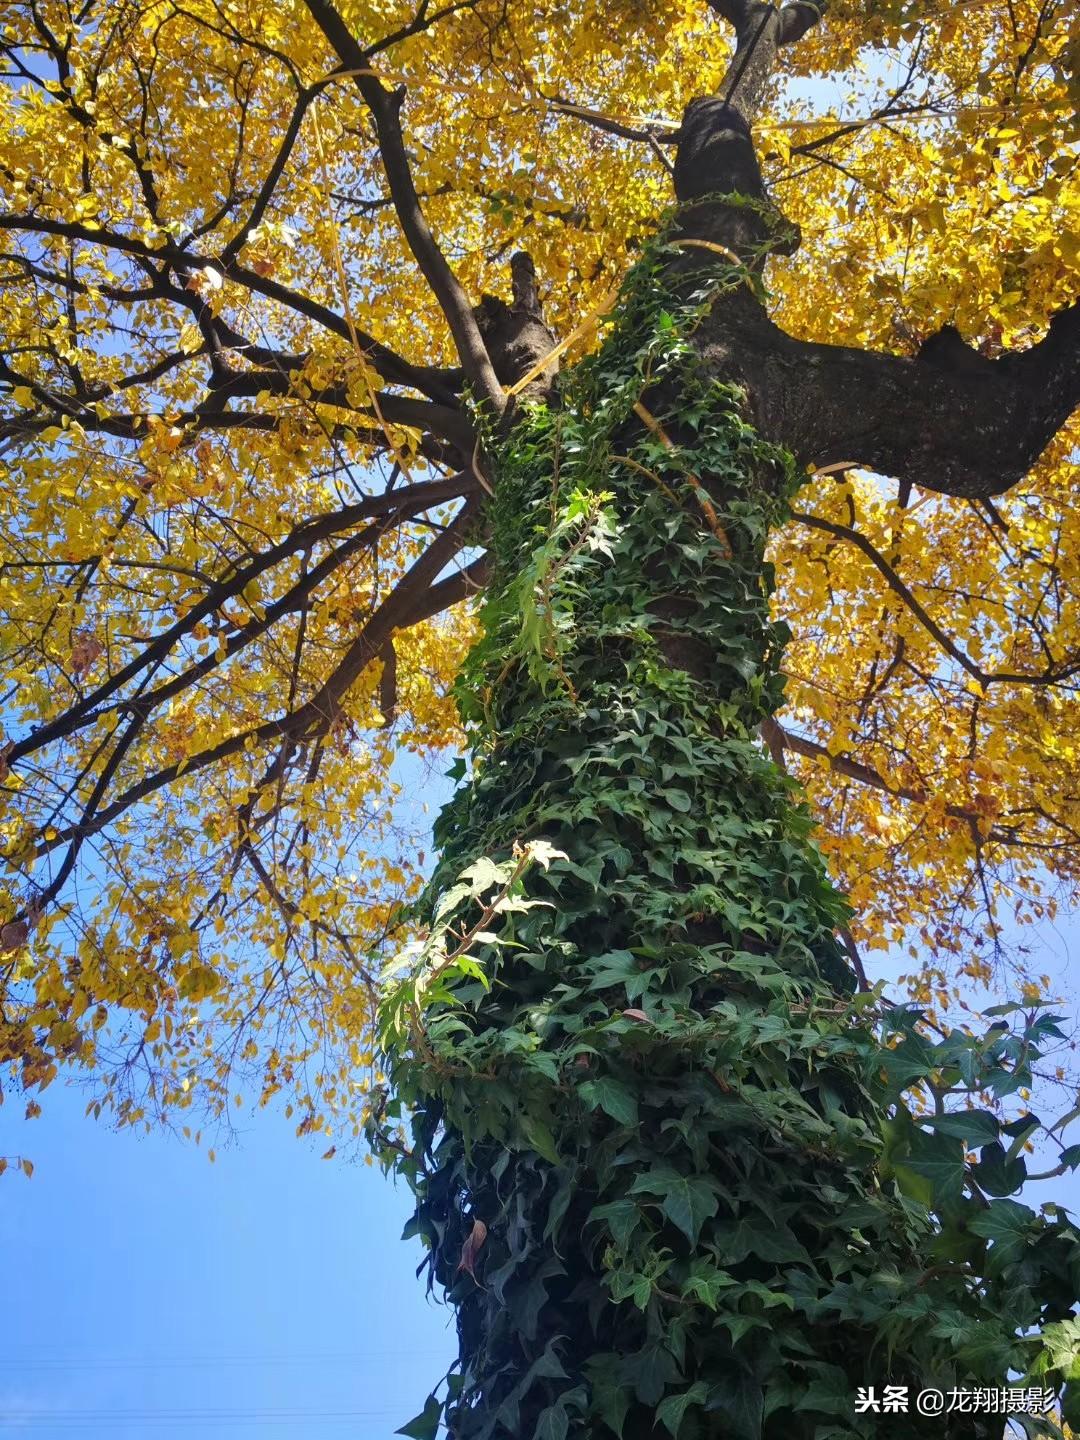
515	335
949	351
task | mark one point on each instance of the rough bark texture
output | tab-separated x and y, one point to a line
515	334
948	420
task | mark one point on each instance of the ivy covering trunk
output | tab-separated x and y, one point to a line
659	1148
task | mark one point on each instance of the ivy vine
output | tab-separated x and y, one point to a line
676	1175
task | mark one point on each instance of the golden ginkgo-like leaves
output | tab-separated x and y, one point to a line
240	514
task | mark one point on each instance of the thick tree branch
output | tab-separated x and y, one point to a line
1053	674
778	737
716	152
398	610
390	366
447	421
656	134
313	717
385	107
760	30
462	585
947	420
518	341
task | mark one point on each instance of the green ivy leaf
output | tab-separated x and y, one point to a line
611	1401
705	1282
740	1401
425	1425
622	1216
540	1138
653	1369
995	1174
687	1201
672	1411
614	968
553	1424
756	1236
1008	1226
613	1097
932	1171
974	1127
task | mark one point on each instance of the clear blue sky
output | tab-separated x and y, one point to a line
268	1291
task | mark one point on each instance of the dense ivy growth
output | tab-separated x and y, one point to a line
660	1148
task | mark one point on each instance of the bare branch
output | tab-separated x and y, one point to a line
863	774
1052	675
308	721
273	175
385	107
656	134
385	362
410	500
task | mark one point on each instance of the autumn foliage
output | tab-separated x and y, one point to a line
243	494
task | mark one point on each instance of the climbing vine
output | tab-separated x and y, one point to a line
676	1173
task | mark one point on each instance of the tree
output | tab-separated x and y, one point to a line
661	1145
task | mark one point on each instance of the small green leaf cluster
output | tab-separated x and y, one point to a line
711	1201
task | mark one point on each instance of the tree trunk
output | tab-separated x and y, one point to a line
647	1144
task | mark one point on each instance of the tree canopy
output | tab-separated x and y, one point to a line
256	270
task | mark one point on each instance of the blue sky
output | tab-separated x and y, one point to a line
143	1282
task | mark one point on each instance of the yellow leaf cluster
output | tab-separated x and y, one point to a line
219	927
